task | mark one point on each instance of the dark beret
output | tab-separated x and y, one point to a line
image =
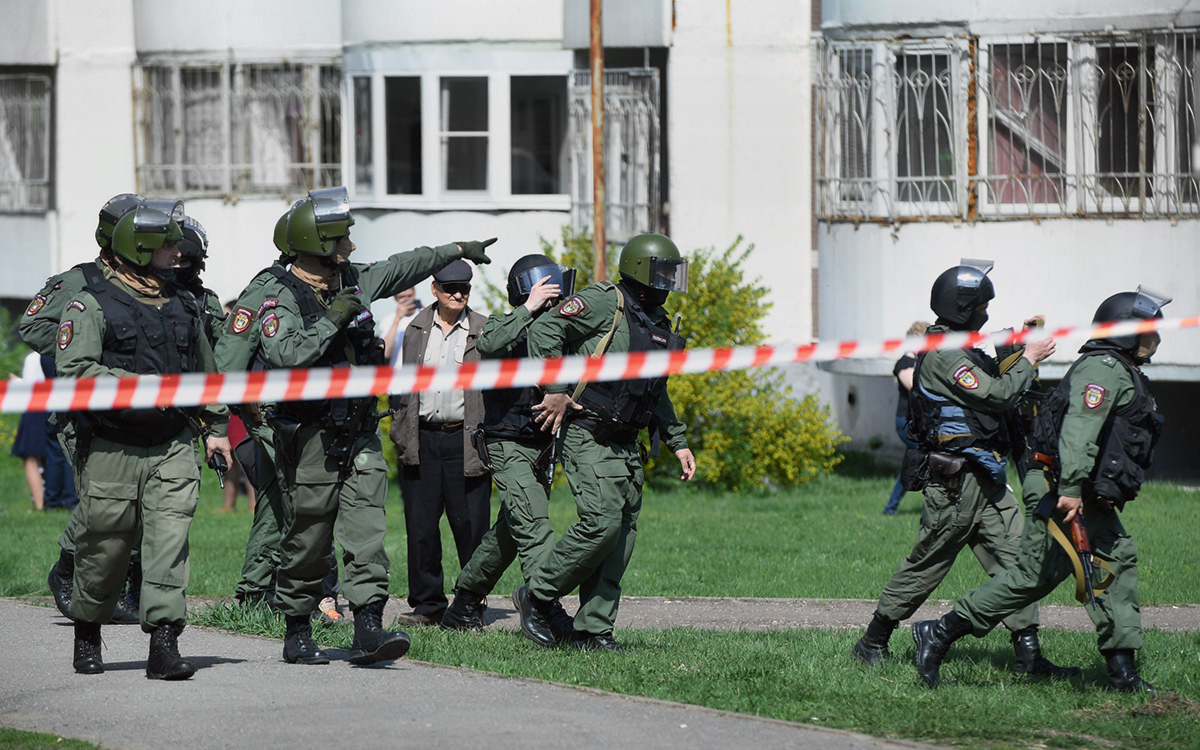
456	272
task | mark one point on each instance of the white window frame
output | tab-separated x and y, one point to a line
16	197
431	63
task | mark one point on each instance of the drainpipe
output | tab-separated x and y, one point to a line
596	58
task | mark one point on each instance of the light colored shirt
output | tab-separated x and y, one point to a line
444	348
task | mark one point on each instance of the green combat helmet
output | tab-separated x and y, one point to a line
316	225
142	231
110	213
654	261
280	236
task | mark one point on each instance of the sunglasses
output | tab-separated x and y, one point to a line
452	289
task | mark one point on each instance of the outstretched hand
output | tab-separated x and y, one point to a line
473	250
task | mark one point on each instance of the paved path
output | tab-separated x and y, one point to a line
245	696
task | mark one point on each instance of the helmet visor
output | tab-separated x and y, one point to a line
331	211
670	274
560	275
173	209
1148	303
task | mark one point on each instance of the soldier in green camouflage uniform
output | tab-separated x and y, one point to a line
330	460
139	465
1101	415
600	452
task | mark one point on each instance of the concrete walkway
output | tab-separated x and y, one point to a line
244	696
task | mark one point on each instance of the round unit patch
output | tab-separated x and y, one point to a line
241	320
37	304
965	377
1093	395
270	325
573	306
66	332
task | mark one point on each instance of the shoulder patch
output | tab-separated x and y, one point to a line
267	305
573	306
35	306
965	377
1093	395
270	325
76	305
66	332
239	322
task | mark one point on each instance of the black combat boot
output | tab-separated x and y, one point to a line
165	663
87	648
1030	660
62	582
129	606
464	613
933	639
596	642
872	648
535	617
298	646
562	625
1122	673
371	642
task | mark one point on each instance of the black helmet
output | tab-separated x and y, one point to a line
961	289
531	269
1143	304
194	246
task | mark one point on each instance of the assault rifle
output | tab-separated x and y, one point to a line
1083	546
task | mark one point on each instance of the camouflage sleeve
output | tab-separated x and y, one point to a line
502	331
1098	385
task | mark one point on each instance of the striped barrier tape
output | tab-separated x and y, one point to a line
194	389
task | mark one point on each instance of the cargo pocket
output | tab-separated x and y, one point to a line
111	507
316	491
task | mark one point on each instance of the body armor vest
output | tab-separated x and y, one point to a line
508	412
1126	442
632	402
356	344
939	424
147	340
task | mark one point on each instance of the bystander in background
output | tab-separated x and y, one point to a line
903	371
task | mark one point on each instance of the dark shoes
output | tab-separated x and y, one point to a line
562	625
464	613
164	662
61	582
596	642
419	620
1122	673
371	642
129	606
933	639
535	617
298	646
872	648
87	648
1030	660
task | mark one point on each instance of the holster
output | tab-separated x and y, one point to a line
947	470
285	429
479	443
246	454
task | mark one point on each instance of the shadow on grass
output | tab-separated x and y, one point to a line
863	465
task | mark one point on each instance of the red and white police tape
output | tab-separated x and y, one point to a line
194	389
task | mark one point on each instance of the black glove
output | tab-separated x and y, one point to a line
344	307
473	251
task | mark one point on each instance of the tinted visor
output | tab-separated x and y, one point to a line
561	275
173	209
670	274
1148	303
331	211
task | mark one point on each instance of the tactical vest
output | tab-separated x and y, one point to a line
1126	442
508	412
146	340
632	402
356	344
939	424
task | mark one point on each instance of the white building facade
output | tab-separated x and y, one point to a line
1056	139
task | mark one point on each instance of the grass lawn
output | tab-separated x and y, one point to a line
826	540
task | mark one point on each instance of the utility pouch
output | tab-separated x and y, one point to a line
246	454
479	443
285	436
914	470
947	470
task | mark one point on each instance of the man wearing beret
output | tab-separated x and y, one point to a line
439	470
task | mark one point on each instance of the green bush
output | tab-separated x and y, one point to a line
746	427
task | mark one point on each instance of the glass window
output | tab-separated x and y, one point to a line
1126	139
24	142
464	126
403	111
364	166
538	115
924	154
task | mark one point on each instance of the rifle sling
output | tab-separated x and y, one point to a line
1080	586
604	342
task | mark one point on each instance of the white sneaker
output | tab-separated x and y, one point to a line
330	612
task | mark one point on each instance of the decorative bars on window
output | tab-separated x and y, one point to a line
631	152
24	143
1009	127
235	129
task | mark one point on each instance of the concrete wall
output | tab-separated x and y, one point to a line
739	129
263	28
372	21
34	44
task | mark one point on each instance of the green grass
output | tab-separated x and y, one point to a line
15	739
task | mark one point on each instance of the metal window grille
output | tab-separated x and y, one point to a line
1077	124
631	152
24	143
235	129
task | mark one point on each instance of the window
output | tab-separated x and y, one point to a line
364	172
403	136
24	143
464	133
925	129
233	129
538	112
